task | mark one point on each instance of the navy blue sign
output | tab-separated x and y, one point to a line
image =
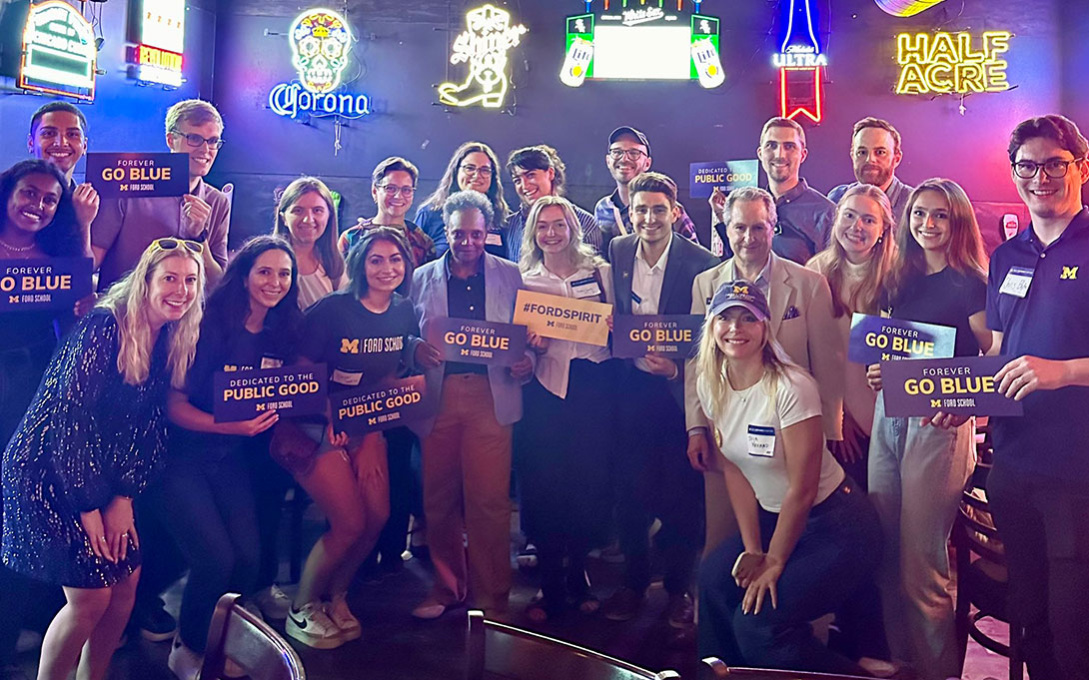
393	404
47	283
874	339
671	335
291	390
138	175
478	342
704	178
960	386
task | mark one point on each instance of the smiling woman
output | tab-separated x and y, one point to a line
92	438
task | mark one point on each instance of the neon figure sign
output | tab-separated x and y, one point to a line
59	52
158	29
800	62
484	44
946	63
321	41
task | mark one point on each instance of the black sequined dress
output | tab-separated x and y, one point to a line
86	438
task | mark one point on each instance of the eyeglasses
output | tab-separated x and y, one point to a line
195	140
632	154
483	171
170	243
1053	167
393	190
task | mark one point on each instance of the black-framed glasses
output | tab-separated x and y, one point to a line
393	190
483	170
632	154
170	243
1056	168
195	140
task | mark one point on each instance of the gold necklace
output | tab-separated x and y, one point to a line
15	249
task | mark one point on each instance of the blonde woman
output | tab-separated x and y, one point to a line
562	442
856	263
92	438
307	218
809	538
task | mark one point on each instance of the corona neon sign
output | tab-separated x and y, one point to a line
321	41
947	63
158	29
800	62
59	51
484	44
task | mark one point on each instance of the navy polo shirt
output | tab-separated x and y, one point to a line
1052	322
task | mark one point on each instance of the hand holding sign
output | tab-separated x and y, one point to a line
718	204
85	200
196	211
1024	375
427	355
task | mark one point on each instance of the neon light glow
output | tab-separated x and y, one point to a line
154	65
644	43
320	43
158	29
906	8
59	52
484	44
800	63
946	62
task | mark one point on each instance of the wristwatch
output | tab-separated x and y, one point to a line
201	237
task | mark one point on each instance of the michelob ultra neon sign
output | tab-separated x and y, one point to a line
800	62
949	62
321	41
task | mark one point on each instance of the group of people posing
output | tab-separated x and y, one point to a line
765	449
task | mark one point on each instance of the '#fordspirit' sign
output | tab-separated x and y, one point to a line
320	44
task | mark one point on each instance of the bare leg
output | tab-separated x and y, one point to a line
332	485
99	649
70	629
372	477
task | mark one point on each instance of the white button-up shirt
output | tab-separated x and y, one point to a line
554	366
646	285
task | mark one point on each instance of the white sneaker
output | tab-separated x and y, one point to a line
274	602
184	662
342	616
313	627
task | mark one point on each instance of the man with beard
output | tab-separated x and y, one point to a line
804	215
875	152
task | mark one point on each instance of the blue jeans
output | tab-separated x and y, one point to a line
833	560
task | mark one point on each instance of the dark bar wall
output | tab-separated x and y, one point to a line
124	115
404	49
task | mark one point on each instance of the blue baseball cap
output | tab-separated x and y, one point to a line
740	294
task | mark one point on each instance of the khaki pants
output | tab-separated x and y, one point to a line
466	484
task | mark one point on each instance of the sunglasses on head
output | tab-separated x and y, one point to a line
173	243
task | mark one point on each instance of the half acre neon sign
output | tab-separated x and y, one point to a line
948	62
321	42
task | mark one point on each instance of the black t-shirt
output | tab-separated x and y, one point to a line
947	298
221	350
360	348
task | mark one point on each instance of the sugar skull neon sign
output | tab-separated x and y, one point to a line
320	43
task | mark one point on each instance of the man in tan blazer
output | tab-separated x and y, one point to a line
801	321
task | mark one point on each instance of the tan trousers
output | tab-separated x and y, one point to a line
466	484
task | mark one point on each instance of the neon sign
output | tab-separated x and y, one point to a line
484	44
642	43
321	41
158	29
906	8
946	63
59	51
800	61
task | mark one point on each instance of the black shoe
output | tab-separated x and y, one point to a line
155	623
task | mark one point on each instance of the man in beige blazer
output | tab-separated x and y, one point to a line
801	321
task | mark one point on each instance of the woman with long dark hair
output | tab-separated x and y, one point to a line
90	441
474	166
251	321
38	221
307	218
918	468
347	476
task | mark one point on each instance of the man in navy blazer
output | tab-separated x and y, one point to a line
467	445
653	271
